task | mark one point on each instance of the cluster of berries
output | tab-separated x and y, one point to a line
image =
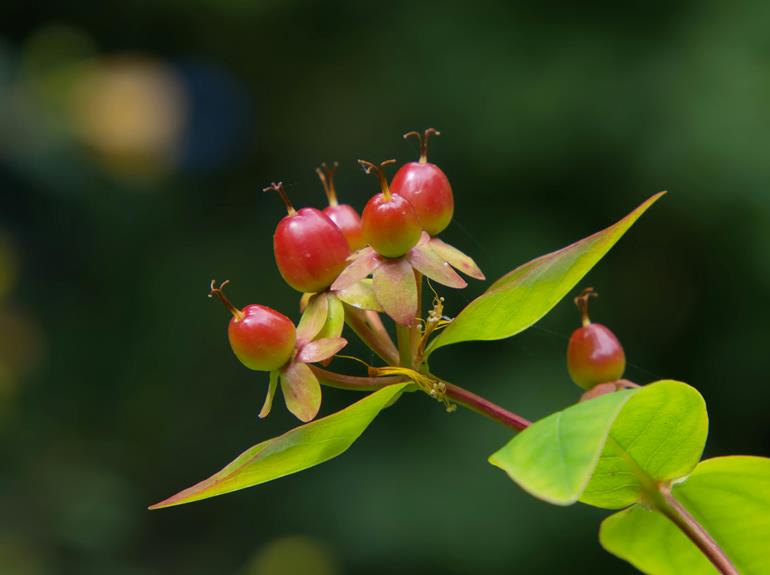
329	257
350	269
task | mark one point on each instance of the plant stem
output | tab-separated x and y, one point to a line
416	334
404	338
485	407
353	382
668	505
368	326
454	392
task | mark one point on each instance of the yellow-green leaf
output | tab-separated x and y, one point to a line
523	296
658	436
553	458
296	450
728	496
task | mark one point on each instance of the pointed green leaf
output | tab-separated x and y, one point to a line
728	496
553	458
296	450
658	436
301	391
522	297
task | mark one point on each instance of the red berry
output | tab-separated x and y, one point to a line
310	250
389	222
344	216
594	354
426	187
261	338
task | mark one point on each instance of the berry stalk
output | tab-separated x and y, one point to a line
404	338
368	327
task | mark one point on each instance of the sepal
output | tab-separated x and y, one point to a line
321	349
395	288
313	318
364	263
360	295
456	259
424	260
272	386
301	391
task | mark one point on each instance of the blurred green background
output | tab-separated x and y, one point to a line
134	138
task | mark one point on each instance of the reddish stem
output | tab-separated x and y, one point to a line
352	382
668	505
368	326
485	407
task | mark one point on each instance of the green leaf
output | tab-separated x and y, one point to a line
658	436
603	451
728	496
296	450
553	458
522	297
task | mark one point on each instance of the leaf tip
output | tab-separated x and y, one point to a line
161	504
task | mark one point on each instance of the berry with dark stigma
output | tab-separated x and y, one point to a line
426	187
344	216
389	222
594	354
261	338
310	250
